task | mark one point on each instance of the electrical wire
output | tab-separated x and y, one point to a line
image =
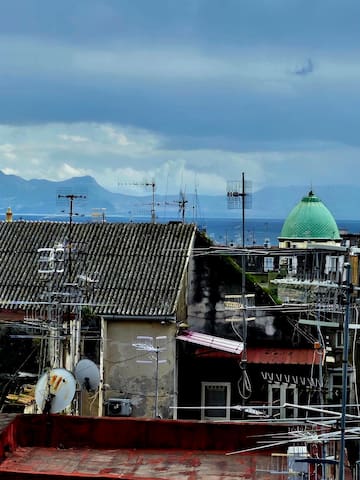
244	383
244	386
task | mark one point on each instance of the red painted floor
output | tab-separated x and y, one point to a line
133	464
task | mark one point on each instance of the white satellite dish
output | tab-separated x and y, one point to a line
55	390
87	374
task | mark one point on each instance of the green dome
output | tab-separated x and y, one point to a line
308	220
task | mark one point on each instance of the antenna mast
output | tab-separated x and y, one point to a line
182	206
239	196
236	191
71	197
153	187
153	215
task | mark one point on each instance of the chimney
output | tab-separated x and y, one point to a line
9	215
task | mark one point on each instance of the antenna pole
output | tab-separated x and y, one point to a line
153	186
243	288
243	209
74	325
234	193
345	373
71	198
153	215
157	383
182	206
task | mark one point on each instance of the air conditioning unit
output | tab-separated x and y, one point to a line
118	407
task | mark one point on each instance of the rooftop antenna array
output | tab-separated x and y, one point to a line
51	264
58	326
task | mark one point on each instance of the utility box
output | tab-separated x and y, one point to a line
118	407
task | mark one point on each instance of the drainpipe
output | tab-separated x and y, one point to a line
103	332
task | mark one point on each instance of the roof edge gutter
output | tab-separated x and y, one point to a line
160	318
187	260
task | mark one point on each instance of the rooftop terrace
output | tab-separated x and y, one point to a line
63	447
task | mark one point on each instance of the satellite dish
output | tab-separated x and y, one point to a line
87	374
55	390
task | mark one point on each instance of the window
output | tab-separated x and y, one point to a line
331	264
268	264
339	339
289	264
215	394
336	384
280	393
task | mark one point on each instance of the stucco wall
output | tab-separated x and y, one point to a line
293	243
208	286
126	377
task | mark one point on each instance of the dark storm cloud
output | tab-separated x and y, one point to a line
229	76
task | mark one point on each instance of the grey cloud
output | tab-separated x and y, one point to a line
206	23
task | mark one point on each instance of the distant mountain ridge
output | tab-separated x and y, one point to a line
47	197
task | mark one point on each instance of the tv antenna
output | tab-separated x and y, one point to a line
151	184
239	196
71	197
182	205
98	215
152	345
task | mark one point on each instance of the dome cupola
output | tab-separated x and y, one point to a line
309	221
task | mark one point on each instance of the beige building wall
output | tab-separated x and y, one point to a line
304	243
130	372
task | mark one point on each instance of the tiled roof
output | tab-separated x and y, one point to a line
138	267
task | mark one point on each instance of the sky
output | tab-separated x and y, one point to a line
186	94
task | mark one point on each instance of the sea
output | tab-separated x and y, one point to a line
223	231
257	231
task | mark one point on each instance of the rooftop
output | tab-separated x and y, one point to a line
124	268
60	446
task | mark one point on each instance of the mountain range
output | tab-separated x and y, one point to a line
48	197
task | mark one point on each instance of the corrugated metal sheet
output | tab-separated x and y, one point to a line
138	266
284	356
218	343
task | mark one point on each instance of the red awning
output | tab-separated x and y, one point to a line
218	343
